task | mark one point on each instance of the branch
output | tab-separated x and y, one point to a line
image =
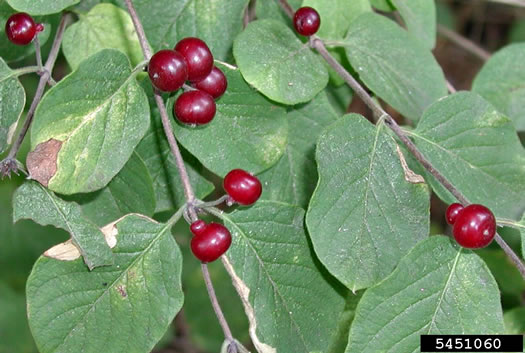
44	79
188	190
464	43
249	13
400	133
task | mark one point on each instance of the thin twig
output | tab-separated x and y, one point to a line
48	68
400	133
188	190
464	43
217	308
450	87
249	13
38	52
287	8
519	3
26	70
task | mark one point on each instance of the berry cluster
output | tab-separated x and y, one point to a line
210	241
474	226
191	60
21	29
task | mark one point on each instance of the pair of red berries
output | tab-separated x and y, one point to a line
211	241
191	60
474	226
21	29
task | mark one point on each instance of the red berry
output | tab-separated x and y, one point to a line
20	28
198	227
211	243
242	187
214	84
306	21
198	57
475	227
194	107
167	70
452	212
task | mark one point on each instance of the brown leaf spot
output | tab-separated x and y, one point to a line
122	290
410	176
42	162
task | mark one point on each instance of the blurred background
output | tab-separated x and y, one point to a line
469	31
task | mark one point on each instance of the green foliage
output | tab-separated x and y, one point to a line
364	216
248	131
11	104
501	81
14	331
130	191
105	26
273	60
33	201
293	178
291	304
451	134
41	7
217	22
437	288
336	15
394	65
420	19
99	132
110	308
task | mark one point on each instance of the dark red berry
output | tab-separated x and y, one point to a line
242	187
198	57
167	70
214	84
306	21
211	243
198	227
20	28
194	107
452	212
475	227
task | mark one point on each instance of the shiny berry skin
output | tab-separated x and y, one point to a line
306	21
452	212
167	70
214	84
475	227
194	107
198	57
242	187
198	227
211	243
21	28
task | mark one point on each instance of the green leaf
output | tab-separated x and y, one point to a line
383	5
123	308
14	330
477	150
501	81
394	65
272	10
364	216
130	191
340	337
273	60
41	7
517	32
11	52
515	321
33	201
99	114
339	97
11	104
336	15
217	22
420	19
105	26
438	288
248	131
293	178
289	299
